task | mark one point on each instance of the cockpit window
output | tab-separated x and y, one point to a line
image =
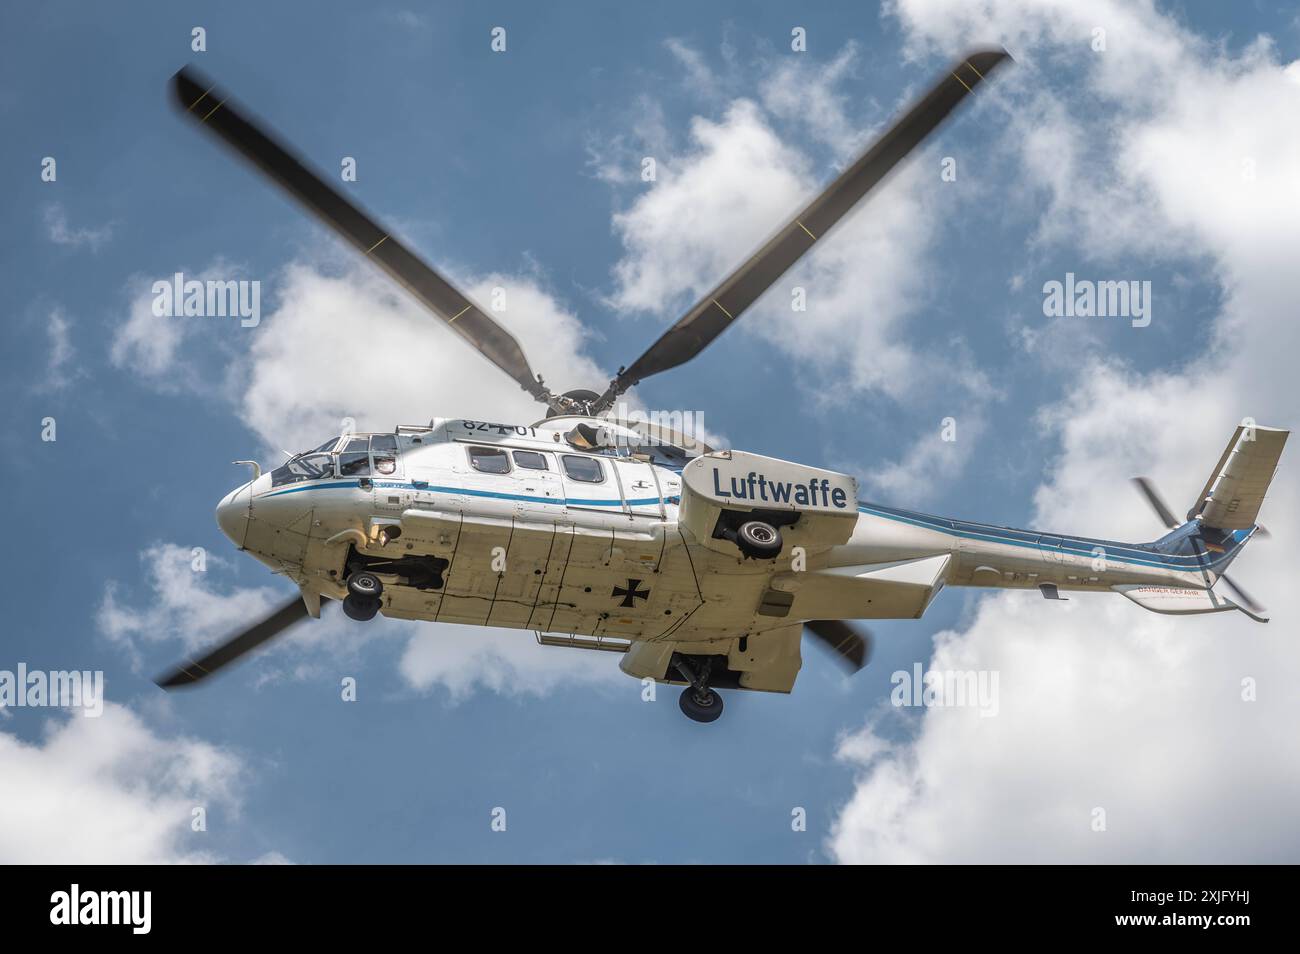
354	458
384	449
309	466
358	455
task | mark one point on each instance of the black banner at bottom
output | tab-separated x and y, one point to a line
338	902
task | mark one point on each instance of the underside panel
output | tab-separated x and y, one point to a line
896	590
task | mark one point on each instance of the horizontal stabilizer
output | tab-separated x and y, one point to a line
1235	491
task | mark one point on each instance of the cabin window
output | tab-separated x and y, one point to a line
354	458
584	469
530	460
384	449
489	460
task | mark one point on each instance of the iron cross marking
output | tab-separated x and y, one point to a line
630	594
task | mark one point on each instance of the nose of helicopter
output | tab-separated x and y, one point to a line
232	514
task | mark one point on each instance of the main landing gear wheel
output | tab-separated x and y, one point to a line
365	586
702	706
362	601
697	701
360	610
759	540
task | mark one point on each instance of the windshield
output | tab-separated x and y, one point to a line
309	465
360	455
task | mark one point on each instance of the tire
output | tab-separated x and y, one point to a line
365	586
697	712
759	540
360	610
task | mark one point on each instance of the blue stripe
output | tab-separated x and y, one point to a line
1076	546
495	495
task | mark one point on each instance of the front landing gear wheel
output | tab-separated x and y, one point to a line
360	609
703	706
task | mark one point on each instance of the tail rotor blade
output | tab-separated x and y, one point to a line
852	648
239	645
1157	502
1244	598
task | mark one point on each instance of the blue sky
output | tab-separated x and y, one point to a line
522	169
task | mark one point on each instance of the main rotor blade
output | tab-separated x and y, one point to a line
722	306
1156	501
853	648
1243	597
245	642
213	109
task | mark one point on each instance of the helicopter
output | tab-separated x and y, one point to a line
698	567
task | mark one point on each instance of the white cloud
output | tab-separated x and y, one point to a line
709	209
408	20
696	71
737	181
110	790
60	368
801	90
618	158
58	231
153	345
183	605
933	459
1103	705
352	345
149	344
509	662
186	611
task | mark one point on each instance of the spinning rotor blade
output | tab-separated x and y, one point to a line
1242	596
211	108
236	646
1156	501
853	648
722	306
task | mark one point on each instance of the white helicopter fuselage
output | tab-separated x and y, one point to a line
627	548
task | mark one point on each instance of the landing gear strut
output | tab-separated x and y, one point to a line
698	701
364	592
